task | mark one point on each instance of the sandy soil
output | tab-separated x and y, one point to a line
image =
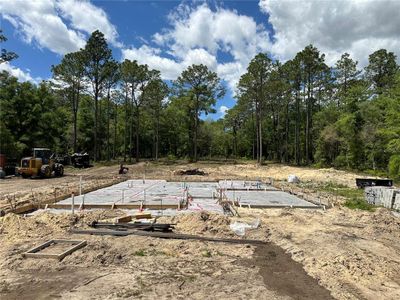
147	268
354	254
17	191
349	254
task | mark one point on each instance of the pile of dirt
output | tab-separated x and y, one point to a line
14	227
204	223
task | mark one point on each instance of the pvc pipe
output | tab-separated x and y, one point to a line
73	203
80	185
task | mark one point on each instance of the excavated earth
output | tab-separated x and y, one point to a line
309	254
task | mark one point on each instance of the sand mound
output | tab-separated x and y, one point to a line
203	223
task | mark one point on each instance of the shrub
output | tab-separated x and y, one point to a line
358	203
394	166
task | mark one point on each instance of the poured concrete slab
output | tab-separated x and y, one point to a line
267	199
153	192
243	185
202	195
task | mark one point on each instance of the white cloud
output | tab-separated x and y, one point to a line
231	73
223	109
41	22
335	27
20	74
199	35
169	68
86	17
37	21
221	30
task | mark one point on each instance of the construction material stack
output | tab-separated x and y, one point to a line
388	197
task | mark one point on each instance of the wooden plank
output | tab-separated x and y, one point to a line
40	247
41	255
35	252
72	249
166	235
123	219
143	216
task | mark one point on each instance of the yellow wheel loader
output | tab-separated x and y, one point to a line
41	164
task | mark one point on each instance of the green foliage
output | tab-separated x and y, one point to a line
394	166
5	55
198	89
300	112
7	143
32	115
96	56
206	253
140	252
359	203
382	70
354	198
70	82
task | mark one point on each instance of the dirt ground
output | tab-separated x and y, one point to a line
18	191
309	254
147	268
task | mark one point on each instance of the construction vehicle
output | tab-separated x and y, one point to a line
80	160
41	164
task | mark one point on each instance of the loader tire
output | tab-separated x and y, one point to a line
45	171
59	171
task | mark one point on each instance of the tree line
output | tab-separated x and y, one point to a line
299	112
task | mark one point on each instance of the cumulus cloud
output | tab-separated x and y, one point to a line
17	72
335	27
44	22
223	109
86	17
38	21
169	68
221	30
198	35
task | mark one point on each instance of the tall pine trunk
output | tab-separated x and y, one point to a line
286	156
196	122
115	129
126	122
257	136
137	133
96	96
108	125
157	135
297	129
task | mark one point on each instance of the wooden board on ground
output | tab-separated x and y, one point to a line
123	219
35	252
143	216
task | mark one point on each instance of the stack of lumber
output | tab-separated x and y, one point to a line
388	197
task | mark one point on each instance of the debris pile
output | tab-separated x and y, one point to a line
190	172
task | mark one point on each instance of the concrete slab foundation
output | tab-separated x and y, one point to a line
266	199
190	196
244	185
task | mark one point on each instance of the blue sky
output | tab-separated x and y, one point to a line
170	35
